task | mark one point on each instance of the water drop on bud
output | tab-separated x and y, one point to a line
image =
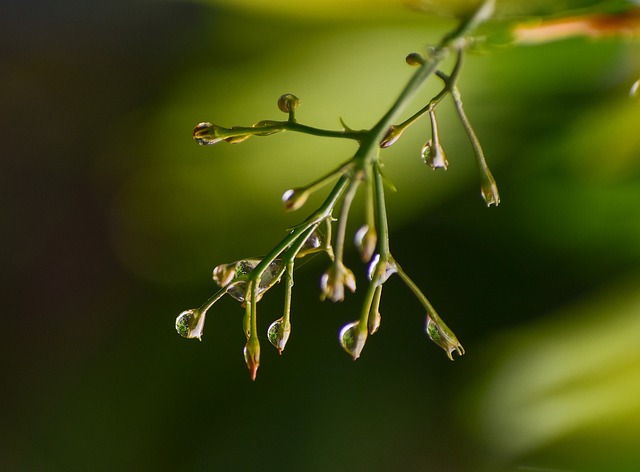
205	134
440	334
190	323
389	270
294	198
352	339
288	102
225	274
365	240
278	334
393	134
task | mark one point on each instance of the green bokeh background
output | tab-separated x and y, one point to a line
112	219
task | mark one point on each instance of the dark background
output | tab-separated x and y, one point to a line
112	219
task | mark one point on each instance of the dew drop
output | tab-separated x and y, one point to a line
190	323
205	134
278	334
225	274
352	339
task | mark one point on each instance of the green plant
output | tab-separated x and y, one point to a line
248	280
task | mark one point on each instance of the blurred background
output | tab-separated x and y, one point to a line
113	218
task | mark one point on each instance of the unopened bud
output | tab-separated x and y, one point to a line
252	356
288	102
488	187
393	134
440	334
415	59
365	240
294	198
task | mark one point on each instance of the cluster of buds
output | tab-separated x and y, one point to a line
248	280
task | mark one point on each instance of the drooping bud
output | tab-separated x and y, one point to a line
278	334
374	312
365	240
634	91
352	339
440	334
488	187
432	152
288	103
294	198
415	59
252	356
190	323
206	134
393	134
333	281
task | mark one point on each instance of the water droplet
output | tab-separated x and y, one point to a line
390	269
278	334
352	339
316	242
225	274
205	134
190	323
288	102
443	337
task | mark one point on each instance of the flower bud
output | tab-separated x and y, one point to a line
440	334
190	323
352	339
488	187
278	334
294	198
365	240
432	152
288	103
252	356
206	134
334	280
393	134
415	59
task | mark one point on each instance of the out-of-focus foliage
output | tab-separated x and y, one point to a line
113	220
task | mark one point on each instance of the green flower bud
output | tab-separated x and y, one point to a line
288	103
334	280
365	240
488	187
393	134
294	198
252	356
440	334
415	59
